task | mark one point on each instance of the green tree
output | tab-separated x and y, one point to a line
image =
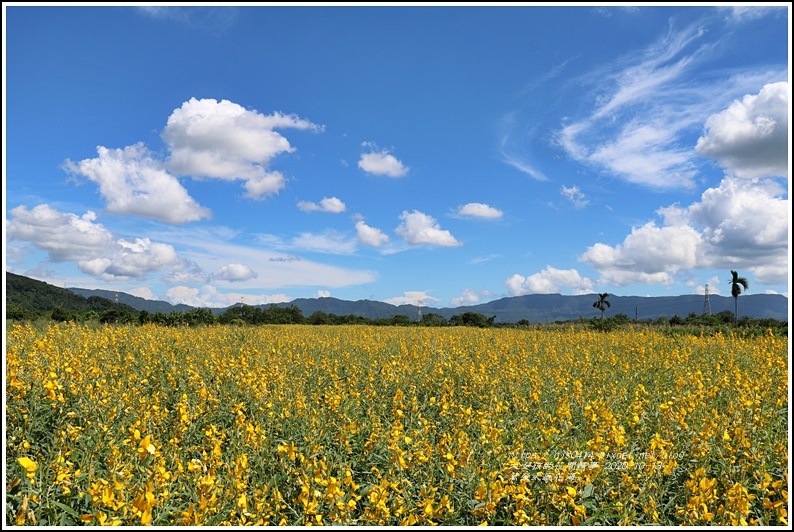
401	319
602	304
59	314
737	283
318	317
250	315
434	320
471	319
199	316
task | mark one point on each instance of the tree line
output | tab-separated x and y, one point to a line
239	315
252	316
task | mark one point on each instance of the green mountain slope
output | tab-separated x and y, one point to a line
30	294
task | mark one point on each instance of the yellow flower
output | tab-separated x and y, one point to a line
146	447
29	465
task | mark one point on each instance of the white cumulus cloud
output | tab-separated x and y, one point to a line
382	163
750	138
412	298
209	296
234	272
140	256
186	272
742	224
370	236
713	285
332	204
478	210
469	297
64	236
550	280
223	140
67	237
142	291
419	228
650	254
133	182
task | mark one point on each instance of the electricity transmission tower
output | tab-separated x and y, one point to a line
707	303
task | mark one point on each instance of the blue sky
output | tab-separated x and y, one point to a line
441	155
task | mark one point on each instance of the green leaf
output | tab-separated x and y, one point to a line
65	508
587	492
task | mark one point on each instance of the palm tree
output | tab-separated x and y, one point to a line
602	304
736	288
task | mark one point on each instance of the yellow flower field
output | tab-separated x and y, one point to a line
299	425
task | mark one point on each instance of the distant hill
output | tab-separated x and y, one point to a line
541	308
536	308
30	294
365	308
138	303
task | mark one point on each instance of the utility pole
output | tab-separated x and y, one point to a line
707	303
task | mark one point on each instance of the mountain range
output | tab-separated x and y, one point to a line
536	308
138	303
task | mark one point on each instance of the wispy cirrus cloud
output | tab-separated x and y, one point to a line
575	196
648	104
746	13
512	148
211	19
274	259
330	242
